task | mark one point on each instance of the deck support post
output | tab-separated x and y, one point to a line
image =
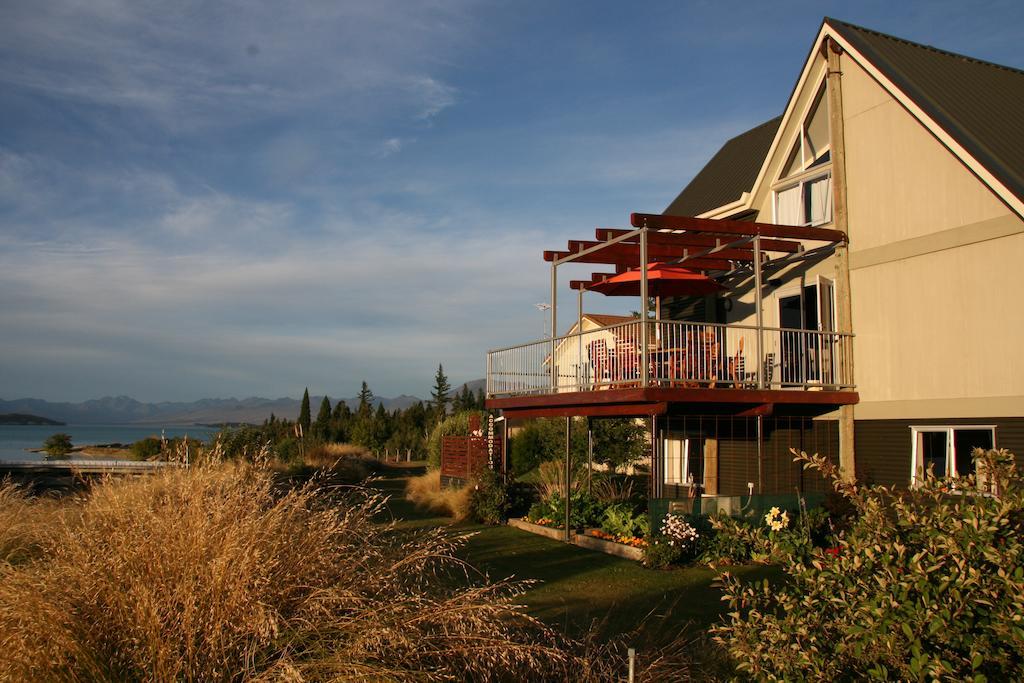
590	455
644	312
759	311
840	217
568	478
760	454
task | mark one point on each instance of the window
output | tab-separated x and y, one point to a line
806	199
947	450
677	465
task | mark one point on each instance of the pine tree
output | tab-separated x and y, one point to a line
304	418
480	399
439	394
322	426
365	401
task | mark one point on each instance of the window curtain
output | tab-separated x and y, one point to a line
819	200
787	207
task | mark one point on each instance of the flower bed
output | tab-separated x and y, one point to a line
632	541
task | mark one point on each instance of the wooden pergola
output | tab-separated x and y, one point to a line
722	248
728	247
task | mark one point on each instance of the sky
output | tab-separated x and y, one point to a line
213	199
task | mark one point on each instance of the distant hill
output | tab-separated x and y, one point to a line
23	419
126	410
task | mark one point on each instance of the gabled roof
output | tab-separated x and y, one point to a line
730	173
604	319
979	104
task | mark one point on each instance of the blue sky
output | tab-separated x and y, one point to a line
233	199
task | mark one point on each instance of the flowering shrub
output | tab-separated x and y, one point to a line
679	533
776	519
927	584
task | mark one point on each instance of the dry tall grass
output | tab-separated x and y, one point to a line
427	493
23	523
208	574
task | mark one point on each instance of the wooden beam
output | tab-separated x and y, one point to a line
619	410
731	227
662	251
689	239
751	397
625	263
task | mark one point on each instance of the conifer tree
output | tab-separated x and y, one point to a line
323	420
304	418
365	401
439	394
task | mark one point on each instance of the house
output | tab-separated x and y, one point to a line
869	241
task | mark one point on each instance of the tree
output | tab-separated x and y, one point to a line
57	445
304	418
322	426
619	442
439	394
365	401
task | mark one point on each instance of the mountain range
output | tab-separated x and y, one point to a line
127	410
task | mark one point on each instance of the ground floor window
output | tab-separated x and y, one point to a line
947	449
677	470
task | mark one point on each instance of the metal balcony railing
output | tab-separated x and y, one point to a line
678	354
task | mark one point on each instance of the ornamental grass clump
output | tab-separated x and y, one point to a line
215	573
926	584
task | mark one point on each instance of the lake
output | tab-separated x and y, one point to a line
15	439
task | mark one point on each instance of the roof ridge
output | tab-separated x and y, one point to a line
832	21
774	119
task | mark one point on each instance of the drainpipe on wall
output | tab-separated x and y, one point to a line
840	217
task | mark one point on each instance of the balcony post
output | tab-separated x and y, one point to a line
579	341
759	311
554	324
644	332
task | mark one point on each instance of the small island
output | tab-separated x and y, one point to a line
24	419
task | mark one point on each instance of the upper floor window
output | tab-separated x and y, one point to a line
803	195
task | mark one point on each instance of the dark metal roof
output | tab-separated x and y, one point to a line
730	173
979	104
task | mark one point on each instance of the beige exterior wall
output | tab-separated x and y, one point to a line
937	265
935	270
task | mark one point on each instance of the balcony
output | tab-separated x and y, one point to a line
679	355
652	366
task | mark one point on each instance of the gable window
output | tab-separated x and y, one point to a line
803	195
947	450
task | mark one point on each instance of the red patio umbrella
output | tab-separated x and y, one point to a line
662	280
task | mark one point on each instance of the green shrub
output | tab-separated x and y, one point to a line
143	449
57	445
660	554
622	519
488	502
927	584
585	511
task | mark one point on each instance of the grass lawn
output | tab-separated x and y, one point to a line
578	586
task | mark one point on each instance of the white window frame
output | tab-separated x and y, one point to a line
807	173
803	183
684	469
950	431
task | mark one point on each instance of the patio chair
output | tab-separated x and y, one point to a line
627	361
709	358
737	371
600	361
